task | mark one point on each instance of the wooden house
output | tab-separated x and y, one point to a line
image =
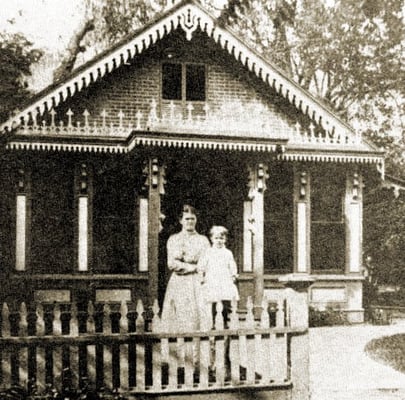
95	169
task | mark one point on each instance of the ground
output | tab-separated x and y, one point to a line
340	369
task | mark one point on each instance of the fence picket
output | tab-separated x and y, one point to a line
265	354
91	349
107	351
234	345
23	351
189	363
40	362
140	348
57	350
253	354
5	353
204	357
124	348
74	349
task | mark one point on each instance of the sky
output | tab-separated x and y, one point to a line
47	23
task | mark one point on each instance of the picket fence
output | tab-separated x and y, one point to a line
111	346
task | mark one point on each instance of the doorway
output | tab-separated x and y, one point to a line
215	183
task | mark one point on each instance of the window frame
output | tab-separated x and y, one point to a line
183	90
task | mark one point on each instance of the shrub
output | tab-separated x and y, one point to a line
328	317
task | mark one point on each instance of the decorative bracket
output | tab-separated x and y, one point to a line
154	175
257	179
83	179
303	182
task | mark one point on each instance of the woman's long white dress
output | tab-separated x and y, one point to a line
181	306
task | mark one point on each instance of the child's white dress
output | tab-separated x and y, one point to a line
219	269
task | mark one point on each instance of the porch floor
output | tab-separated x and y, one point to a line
341	370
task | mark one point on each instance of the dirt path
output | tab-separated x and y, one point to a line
341	370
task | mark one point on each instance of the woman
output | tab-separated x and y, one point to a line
181	306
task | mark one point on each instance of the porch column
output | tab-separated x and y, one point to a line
302	220
257	186
353	218
150	218
84	231
23	218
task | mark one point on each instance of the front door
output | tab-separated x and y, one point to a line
215	183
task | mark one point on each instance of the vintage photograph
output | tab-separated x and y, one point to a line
202	199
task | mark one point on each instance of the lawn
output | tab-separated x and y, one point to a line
389	350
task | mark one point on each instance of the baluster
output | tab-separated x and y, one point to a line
5	352
189	362
57	350
219	346
204	357
91	349
298	132
250	344
124	348
263	349
23	351
107	351
140	348
74	348
234	344
172	384
40	350
156	350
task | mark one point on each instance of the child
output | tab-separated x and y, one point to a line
218	271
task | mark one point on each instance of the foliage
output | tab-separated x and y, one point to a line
86	392
16	58
328	317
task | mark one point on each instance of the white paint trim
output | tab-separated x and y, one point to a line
247	237
83	239
21	232
143	234
354	222
302	237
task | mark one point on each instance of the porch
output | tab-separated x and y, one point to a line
125	347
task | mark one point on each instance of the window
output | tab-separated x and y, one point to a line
113	217
327	222
183	82
53	216
278	220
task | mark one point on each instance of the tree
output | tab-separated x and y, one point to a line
16	58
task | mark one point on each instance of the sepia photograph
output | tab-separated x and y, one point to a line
202	199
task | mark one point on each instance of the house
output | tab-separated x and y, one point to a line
96	167
94	172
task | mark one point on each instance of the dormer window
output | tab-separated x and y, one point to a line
183	82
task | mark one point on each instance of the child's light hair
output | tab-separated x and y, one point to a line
218	230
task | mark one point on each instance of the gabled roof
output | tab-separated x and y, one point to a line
189	16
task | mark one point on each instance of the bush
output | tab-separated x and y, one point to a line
328	317
50	393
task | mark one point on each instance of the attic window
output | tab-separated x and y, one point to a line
183	82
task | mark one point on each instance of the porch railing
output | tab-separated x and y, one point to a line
111	346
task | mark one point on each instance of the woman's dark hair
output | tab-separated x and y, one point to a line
188	209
